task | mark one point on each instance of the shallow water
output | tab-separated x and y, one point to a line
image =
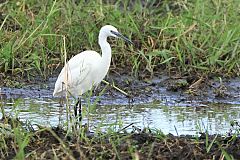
177	118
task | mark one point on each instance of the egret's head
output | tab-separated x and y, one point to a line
109	30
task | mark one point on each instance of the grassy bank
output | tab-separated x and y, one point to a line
56	143
172	36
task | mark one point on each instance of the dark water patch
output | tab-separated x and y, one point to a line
224	91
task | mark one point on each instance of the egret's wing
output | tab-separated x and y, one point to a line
75	73
72	75
80	72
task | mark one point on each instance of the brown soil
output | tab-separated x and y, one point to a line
51	143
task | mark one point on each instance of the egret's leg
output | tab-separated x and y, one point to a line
78	106
80	109
75	108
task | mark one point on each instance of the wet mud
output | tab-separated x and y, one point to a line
174	89
54	143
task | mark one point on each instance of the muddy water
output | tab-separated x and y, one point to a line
176	119
152	105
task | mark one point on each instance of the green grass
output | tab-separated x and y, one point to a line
174	36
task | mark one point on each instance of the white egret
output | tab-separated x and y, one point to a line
87	69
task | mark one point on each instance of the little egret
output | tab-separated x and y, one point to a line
87	69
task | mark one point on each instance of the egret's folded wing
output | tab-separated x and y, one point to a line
71	76
79	73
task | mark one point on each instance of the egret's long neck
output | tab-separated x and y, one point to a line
106	49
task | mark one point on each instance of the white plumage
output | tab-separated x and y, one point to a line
88	68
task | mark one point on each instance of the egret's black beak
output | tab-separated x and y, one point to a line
121	36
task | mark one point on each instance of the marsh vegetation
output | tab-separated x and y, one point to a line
195	44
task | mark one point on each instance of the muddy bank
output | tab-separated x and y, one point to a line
54	143
186	90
